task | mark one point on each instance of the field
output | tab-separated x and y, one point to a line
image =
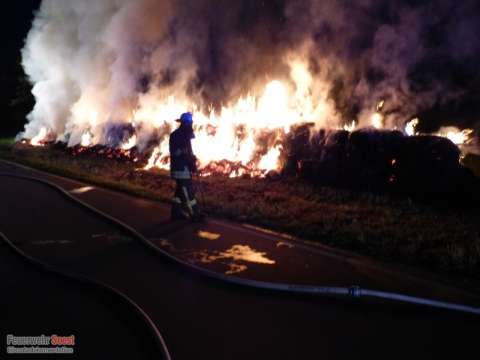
385	227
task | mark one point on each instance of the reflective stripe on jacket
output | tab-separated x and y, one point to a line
181	174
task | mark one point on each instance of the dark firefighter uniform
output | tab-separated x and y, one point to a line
182	166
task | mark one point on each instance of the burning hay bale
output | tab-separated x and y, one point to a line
99	152
380	160
297	148
117	135
372	156
428	164
332	159
364	159
226	168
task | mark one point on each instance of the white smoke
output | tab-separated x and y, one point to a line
96	64
84	57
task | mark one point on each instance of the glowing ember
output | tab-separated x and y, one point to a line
41	136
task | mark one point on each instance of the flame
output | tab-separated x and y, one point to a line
130	143
152	161
86	139
380	105
242	137
233	133
156	160
270	160
40	138
457	136
350	127
410	128
273	106
377	120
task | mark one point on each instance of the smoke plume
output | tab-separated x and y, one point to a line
95	65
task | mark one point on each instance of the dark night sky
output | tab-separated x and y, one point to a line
15	25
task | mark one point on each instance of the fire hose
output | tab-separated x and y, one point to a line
352	291
160	342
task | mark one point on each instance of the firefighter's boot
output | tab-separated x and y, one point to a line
178	213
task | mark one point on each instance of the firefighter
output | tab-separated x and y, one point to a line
182	167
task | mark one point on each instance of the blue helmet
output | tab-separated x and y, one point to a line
186	118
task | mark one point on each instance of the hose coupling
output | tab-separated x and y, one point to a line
355	291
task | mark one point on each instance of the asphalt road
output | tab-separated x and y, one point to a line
34	302
200	318
245	252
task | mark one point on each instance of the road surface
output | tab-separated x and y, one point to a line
200	318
